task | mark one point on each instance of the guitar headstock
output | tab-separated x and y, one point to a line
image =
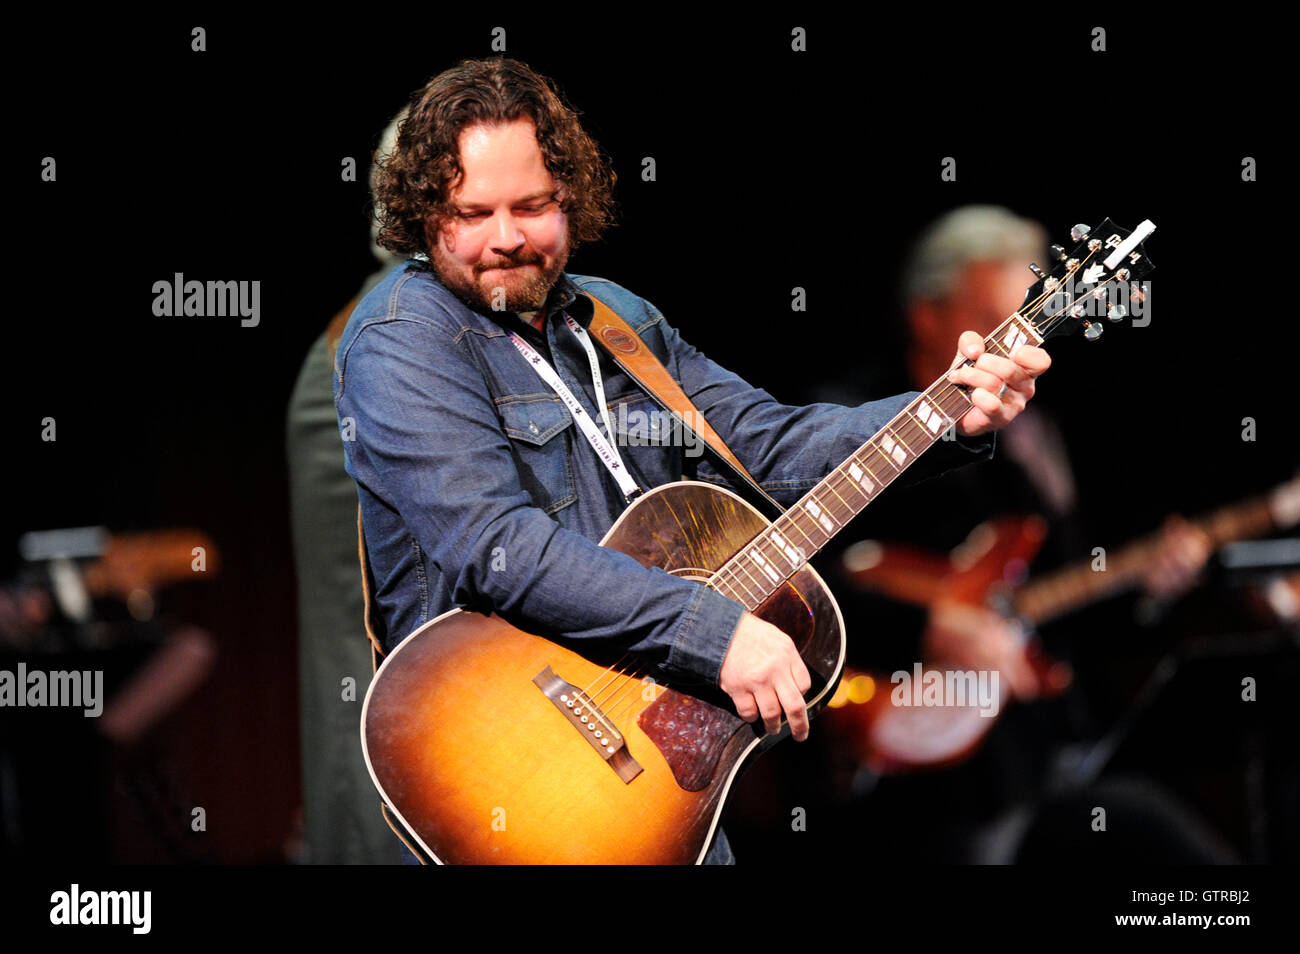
1100	277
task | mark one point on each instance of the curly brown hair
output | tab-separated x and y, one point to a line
412	186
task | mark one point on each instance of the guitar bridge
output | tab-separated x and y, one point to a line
588	720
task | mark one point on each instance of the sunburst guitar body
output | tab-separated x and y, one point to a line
482	762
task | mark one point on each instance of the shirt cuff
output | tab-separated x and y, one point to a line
704	636
944	456
981	447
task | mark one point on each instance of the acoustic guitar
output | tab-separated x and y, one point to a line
489	744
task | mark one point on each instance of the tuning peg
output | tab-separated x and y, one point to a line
1058	252
1037	271
1116	312
1092	330
1080	232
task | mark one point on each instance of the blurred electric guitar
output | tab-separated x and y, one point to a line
84	564
492	745
988	570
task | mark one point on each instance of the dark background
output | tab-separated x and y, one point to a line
775	169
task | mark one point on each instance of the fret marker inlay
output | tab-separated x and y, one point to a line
856	473
824	520
767	569
894	450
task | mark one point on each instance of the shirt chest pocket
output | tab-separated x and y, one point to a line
649	439
540	433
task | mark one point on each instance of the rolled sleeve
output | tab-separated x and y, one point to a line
704	635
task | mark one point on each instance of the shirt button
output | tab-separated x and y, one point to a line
532	427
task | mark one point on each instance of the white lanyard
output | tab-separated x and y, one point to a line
607	453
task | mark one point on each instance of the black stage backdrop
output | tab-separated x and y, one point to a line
775	168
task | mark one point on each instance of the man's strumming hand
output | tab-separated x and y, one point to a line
764	675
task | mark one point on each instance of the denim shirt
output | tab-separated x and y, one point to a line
477	490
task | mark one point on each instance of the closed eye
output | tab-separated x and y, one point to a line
525	209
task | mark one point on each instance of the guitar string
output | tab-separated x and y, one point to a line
908	421
593	693
623	702
618	681
594	689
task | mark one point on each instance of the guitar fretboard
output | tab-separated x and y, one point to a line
756	571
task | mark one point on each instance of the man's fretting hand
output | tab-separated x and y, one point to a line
764	675
994	408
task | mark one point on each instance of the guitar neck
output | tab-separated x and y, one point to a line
1047	597
759	568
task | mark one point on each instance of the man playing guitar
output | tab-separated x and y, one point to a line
457	377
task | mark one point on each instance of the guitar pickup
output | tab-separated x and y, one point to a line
589	721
